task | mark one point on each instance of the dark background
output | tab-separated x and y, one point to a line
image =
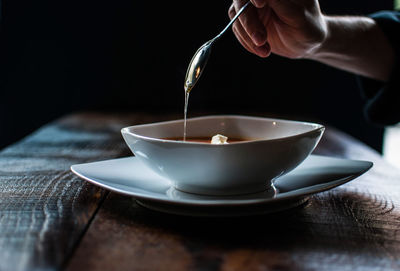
61	56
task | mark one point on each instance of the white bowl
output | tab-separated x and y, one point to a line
275	148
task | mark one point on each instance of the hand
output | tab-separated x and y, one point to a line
290	28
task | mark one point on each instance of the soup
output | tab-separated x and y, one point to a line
206	139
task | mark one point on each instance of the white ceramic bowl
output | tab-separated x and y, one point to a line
276	147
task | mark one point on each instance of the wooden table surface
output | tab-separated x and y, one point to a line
51	220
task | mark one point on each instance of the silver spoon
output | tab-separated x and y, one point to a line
201	56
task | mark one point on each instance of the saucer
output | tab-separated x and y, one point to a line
130	177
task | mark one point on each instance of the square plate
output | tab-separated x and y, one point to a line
130	177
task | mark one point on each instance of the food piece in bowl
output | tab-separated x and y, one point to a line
219	139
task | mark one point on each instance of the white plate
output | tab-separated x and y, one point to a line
130	177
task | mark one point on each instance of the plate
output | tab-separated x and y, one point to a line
130	177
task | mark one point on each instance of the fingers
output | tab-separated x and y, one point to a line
238	35
245	40
261	51
251	23
264	14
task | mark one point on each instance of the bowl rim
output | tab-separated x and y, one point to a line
318	127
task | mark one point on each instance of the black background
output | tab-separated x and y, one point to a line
61	56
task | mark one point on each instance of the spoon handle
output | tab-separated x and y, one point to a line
232	21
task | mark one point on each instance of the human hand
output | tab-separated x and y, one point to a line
289	28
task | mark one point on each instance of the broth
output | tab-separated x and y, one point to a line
206	139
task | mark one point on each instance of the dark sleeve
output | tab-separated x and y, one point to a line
383	99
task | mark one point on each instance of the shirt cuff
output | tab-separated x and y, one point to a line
383	98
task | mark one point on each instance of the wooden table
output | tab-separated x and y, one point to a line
51	220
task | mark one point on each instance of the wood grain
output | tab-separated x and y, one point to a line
44	208
51	220
353	227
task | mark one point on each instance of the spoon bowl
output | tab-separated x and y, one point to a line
197	65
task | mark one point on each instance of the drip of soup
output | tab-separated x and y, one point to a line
185	112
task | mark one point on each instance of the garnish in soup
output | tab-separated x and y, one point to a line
219	139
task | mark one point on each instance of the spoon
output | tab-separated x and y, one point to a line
201	56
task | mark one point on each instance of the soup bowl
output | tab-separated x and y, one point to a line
272	148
